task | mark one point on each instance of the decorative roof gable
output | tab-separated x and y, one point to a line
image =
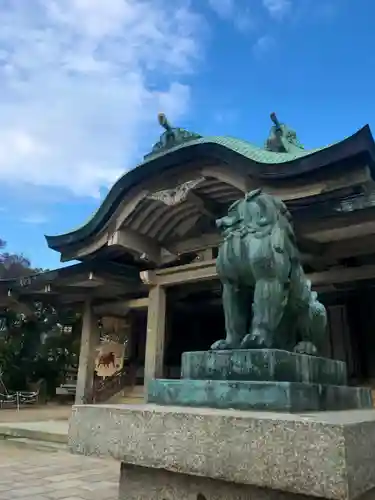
170	138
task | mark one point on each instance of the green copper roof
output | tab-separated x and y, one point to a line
244	148
281	146
177	146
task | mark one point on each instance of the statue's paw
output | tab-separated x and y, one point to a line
221	345
248	342
254	341
306	347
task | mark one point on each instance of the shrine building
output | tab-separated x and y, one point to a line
146	258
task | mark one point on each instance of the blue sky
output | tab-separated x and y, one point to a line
81	82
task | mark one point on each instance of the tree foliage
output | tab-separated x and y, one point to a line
35	347
13	265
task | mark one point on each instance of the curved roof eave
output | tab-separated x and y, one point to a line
26	282
261	164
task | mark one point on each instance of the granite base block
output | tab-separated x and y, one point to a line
255	455
269	396
144	483
261	365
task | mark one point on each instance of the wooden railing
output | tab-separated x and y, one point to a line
105	388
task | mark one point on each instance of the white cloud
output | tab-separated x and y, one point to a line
236	12
81	82
223	8
34	219
226	116
277	8
263	45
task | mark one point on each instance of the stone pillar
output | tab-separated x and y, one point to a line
155	333
90	338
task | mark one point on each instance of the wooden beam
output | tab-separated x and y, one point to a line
312	227
62	290
147	248
71	295
141	303
177	275
228	176
309	246
58	299
305	233
352	247
121	308
299	188
296	189
340	275
52	281
105	289
195	244
208	207
212	240
354	230
206	271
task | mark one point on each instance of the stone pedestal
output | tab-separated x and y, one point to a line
260	379
171	453
219	453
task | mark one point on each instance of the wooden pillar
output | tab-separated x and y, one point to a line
155	333
90	338
341	344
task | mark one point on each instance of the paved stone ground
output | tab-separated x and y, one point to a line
58	429
36	413
27	474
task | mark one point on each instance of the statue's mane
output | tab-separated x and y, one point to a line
270	213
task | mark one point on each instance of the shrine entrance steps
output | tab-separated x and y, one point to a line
128	396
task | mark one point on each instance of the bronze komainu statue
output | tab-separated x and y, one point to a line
267	300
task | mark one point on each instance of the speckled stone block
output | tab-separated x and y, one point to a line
262	365
269	396
325	454
143	483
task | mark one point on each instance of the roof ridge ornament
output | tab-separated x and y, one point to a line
171	137
162	119
282	139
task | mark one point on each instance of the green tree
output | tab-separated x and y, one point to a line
35	347
38	347
13	265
